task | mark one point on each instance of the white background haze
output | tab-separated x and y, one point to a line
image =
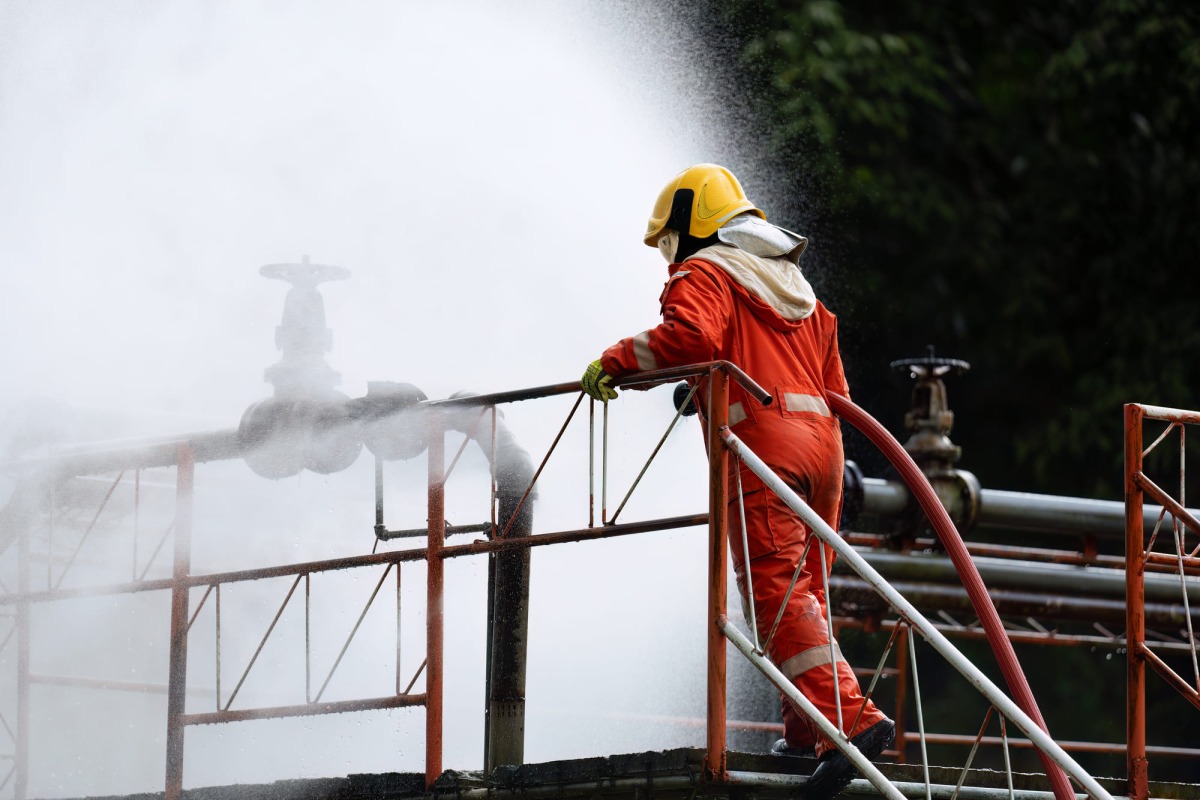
485	170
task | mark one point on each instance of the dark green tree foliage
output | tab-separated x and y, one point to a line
1017	183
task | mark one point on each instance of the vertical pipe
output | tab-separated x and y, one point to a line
508	604
718	535
494	474
50	543
217	646
750	577
508	613
833	651
434	621
1135	619
379	526
24	629
509	642
604	468
177	677
308	638
137	515
399	617
591	463
1007	759
901	696
912	654
490	633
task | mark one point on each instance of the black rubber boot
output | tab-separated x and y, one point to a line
782	748
835	771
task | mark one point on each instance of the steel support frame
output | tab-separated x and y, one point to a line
182	581
1137	555
23	633
718	579
1047	746
434	621
177	672
434	554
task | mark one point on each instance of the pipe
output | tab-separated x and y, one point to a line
855	596
177	667
1026	511
434	615
1053	756
999	572
772	673
1136	764
509	638
508	578
715	766
1002	647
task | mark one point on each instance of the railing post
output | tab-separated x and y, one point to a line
1135	620
718	535
24	630
177	670
901	734
433	620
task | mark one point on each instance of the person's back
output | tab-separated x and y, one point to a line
735	292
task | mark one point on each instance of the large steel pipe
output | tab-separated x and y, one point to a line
1064	579
957	550
1026	511
853	597
1053	756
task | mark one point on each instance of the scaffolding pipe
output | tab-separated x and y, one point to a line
434	619
718	589
928	500
996	572
509	643
177	669
1052	754
772	673
855	594
1026	511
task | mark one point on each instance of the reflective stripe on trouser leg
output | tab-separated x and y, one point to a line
776	541
810	659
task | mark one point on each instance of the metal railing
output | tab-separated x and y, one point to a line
914	619
436	551
1141	555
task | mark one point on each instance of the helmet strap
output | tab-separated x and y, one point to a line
681	212
690	245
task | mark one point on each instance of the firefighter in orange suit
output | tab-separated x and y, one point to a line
735	292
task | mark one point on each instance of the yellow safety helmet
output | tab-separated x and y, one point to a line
697	202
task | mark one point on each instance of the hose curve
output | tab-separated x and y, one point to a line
917	483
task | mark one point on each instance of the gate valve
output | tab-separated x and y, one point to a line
929	423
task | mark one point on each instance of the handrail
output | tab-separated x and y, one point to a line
1139	553
647	379
952	541
436	552
940	643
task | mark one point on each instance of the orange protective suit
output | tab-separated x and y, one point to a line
708	316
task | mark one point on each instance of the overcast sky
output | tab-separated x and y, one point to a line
485	171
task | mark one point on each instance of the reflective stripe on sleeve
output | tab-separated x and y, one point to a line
736	413
805	402
641	351
810	659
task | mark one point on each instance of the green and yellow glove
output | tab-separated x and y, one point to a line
595	383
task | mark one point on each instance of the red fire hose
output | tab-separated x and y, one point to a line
976	590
